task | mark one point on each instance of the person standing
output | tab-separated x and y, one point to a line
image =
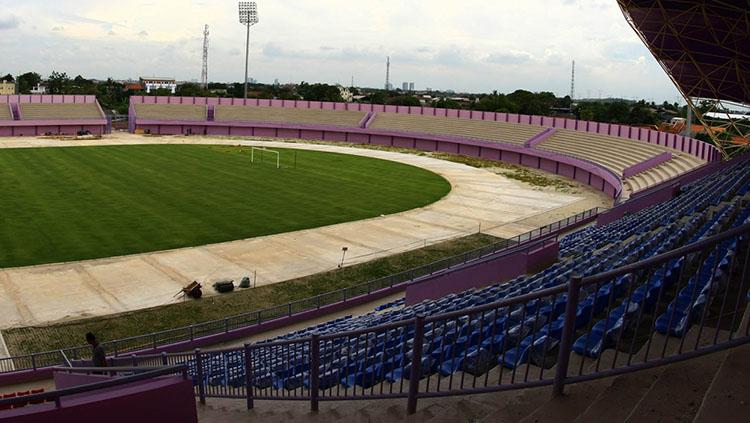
98	357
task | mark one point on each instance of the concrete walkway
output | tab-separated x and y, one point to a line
504	207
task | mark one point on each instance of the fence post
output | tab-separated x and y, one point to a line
134	360
317	300
164	358
192	333
226	325
153	341
249	376
199	374
566	341
314	371
416	364
114	346
290	309
33	361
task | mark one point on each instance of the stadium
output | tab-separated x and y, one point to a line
589	271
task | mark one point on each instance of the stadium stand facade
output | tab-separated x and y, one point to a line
34	115
615	159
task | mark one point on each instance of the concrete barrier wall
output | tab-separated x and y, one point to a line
647	164
483	273
678	142
167	399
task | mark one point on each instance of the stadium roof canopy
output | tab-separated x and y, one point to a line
704	46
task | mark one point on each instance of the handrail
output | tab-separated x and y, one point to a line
140	374
150	342
664	257
575	293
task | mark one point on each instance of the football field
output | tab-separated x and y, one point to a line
74	203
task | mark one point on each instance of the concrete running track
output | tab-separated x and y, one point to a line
504	207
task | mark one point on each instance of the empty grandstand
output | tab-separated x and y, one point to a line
288	115
617	155
48	111
5	112
33	115
468	128
171	112
615	159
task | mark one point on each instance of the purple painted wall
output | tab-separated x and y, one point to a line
484	273
169	399
32	128
664	191
679	142
647	164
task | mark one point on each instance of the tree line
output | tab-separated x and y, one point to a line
113	95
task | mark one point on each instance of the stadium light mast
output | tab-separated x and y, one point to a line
248	17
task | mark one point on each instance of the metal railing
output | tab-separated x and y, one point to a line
154	340
671	307
137	374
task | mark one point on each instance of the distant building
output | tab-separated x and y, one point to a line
39	89
7	88
132	86
154	83
411	86
404	86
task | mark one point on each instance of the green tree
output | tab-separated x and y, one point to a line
319	92
112	96
8	78
58	83
405	100
27	81
192	90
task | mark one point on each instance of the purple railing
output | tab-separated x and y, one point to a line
538	138
610	323
365	121
647	164
18	368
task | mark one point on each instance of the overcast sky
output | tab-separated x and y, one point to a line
474	46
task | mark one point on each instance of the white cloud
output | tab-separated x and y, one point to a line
9	22
473	45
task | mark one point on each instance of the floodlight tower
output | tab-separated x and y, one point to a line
204	71
248	17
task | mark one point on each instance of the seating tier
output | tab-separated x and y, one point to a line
466	128
171	111
60	111
288	115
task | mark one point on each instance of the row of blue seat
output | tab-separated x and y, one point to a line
507	336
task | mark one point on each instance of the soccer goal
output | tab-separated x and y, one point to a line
260	155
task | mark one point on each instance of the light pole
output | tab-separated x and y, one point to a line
248	17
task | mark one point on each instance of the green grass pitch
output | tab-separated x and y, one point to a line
74	203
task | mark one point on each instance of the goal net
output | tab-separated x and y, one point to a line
261	154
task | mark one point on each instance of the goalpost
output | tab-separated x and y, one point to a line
265	150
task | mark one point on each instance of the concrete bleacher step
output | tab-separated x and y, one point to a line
724	400
678	391
628	389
